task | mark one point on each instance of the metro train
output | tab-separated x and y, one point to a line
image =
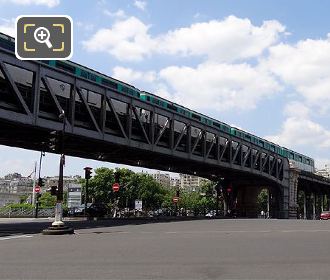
296	160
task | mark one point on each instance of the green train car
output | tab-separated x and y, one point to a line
89	74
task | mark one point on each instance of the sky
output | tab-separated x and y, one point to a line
262	66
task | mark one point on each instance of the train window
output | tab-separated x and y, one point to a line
291	156
84	74
272	148
155	101
92	77
172	107
195	116
300	158
65	66
248	137
308	161
284	153
225	128
216	124
109	83
261	143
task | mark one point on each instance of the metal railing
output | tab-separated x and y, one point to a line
26	213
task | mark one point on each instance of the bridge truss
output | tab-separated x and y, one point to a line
104	124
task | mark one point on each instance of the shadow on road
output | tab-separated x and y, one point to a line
33	227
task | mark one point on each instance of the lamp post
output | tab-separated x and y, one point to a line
58	226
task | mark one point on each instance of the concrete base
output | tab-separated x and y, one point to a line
58	230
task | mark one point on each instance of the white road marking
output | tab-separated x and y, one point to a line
306	230
15	237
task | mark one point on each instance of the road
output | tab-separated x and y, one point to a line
201	249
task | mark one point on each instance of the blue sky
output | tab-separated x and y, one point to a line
263	66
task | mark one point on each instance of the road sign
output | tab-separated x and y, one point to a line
74	195
175	199
115	187
37	189
138	204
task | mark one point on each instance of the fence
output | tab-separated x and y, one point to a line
26	213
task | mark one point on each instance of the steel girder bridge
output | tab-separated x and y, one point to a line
103	124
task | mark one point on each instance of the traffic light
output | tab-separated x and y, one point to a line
41	182
53	140
88	172
117	176
38	196
53	190
178	193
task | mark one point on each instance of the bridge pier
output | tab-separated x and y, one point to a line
247	201
293	193
305	206
314	206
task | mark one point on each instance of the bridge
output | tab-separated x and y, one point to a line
104	124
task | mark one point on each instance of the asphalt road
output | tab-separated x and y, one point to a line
202	249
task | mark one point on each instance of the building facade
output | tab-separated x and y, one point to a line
325	172
191	183
162	178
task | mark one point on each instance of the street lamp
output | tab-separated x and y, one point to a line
58	226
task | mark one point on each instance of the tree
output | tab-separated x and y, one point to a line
262	200
132	186
47	200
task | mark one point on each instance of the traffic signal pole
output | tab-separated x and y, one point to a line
58	226
88	172
58	208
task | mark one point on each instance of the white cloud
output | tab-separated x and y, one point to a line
219	86
306	67
299	132
228	40
8	27
297	109
85	26
126	40
140	4
129	75
48	3
117	14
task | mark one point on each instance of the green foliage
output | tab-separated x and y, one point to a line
135	186
132	186
19	206
47	200
262	200
23	198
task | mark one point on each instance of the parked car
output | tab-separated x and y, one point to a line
325	215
